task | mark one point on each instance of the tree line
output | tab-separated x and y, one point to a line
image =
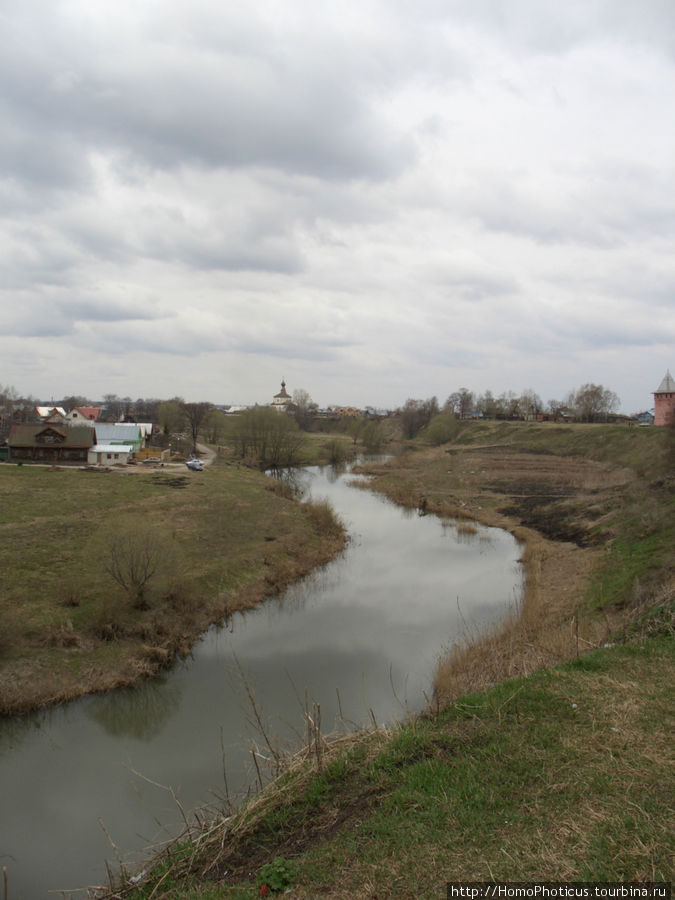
588	403
272	437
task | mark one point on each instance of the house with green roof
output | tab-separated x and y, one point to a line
131	435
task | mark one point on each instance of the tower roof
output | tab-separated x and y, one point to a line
283	392
667	386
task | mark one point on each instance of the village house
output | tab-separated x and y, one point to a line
87	442
345	412
50	413
664	401
50	443
83	414
109	454
131	435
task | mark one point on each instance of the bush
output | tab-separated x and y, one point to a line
373	437
337	451
276	876
271	437
323	517
133	560
442	428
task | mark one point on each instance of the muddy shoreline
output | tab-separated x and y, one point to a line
549	503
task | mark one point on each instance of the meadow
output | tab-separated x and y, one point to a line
74	619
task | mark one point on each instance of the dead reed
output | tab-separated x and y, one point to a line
281	776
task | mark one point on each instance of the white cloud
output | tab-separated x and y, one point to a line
376	201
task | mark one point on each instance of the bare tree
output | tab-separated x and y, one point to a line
305	408
73	401
556	407
487	405
460	403
132	561
510	406
114	407
195	414
273	439
8	401
145	409
416	414
530	404
593	402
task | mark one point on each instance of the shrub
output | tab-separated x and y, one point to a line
276	876
272	438
373	437
441	429
133	560
337	451
323	518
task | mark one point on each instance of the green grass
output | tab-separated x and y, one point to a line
639	553
649	451
564	775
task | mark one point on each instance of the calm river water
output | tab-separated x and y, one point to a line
370	625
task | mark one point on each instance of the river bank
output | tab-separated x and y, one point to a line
355	643
558	773
560	776
594	509
216	541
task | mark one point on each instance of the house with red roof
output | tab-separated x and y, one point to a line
83	414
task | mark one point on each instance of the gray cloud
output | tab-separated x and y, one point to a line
538	27
166	101
380	201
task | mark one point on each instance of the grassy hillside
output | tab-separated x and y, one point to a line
560	776
650	452
562	773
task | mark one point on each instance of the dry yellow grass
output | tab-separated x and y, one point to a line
563	509
227	539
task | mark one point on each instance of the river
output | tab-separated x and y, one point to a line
360	637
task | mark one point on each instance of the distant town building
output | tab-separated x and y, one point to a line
664	401
346	412
283	402
50	413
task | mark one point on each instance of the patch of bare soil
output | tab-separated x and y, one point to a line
560	497
561	508
245	855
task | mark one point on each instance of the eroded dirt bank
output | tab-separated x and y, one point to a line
561	508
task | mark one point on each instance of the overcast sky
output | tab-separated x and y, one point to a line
374	200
